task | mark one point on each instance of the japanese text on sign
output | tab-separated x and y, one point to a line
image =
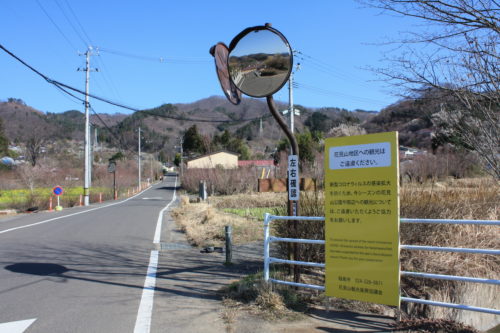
360	156
293	178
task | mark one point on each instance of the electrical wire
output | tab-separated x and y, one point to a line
78	22
107	78
56	26
170	60
71	23
327	69
338	94
64	87
115	136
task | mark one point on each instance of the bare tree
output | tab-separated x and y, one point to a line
34	148
29	175
345	130
461	60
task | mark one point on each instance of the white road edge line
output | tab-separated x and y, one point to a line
145	312
159	223
16	326
61	217
143	322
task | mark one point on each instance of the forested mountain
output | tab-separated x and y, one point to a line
162	127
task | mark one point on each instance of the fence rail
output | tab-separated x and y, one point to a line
268	218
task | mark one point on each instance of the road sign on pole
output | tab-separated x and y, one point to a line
58	190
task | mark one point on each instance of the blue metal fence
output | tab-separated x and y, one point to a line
268	218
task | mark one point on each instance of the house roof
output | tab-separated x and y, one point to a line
256	163
211	154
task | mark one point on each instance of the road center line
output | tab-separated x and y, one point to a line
61	217
145	312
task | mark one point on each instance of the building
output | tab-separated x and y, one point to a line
220	159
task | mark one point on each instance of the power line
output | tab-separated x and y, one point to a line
64	87
78	22
170	60
338	94
107	78
56	26
328	69
70	22
118	139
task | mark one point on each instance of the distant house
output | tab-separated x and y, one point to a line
407	153
222	159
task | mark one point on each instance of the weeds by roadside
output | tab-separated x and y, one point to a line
463	199
204	224
268	301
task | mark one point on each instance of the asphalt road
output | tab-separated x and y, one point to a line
82	269
261	85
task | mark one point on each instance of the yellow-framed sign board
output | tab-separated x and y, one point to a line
362	218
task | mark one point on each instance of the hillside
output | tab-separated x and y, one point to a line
163	126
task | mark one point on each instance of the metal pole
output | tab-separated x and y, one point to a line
293	206
290	99
114	185
266	246
229	246
151	164
139	158
182	153
86	185
91	155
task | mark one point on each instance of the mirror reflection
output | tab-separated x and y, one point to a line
260	63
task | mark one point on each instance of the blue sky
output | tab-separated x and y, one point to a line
336	40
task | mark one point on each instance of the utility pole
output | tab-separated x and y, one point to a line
87	159
182	153
151	159
290	100
91	154
96	143
139	158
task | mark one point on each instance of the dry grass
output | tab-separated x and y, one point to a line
204	224
453	199
266	199
459	199
264	300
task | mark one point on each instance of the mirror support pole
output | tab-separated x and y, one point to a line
283	125
293	206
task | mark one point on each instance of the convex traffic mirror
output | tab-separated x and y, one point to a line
260	61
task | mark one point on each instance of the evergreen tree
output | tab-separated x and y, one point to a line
4	142
193	141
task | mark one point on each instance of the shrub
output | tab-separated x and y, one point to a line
220	181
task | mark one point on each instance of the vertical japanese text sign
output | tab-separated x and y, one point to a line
293	178
362	218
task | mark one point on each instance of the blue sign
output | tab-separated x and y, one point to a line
58	190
